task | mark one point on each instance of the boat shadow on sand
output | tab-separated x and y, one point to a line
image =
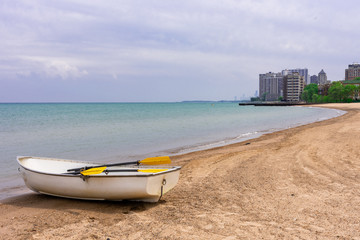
75	206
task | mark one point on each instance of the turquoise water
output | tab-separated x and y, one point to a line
113	132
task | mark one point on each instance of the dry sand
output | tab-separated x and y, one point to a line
301	183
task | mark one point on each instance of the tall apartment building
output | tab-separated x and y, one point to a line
302	72
322	78
270	86
293	87
352	72
314	79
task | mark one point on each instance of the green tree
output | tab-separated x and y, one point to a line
309	91
337	92
357	90
315	98
325	99
305	96
349	92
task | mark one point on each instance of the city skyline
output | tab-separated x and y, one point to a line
273	86
131	51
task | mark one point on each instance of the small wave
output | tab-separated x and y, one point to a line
12	191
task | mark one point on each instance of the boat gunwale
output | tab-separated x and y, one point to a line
171	169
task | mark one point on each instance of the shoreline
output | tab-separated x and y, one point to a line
250	135
300	182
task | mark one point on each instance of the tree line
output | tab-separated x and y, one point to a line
336	92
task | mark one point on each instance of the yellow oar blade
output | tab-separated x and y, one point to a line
93	171
151	170
156	160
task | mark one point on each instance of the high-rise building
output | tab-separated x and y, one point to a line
293	87
314	79
322	78
270	86
352	72
302	72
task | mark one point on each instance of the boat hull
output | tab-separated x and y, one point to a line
118	186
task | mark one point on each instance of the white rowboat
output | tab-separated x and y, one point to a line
49	176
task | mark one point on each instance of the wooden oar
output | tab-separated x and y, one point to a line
147	161
93	171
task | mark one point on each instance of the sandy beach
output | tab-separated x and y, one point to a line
300	183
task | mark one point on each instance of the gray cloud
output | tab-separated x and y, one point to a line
117	50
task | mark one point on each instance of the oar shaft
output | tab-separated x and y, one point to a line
119	164
104	165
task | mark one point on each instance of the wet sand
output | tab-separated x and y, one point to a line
300	183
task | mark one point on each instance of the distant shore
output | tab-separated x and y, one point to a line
301	182
278	104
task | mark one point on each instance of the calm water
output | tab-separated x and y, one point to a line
113	132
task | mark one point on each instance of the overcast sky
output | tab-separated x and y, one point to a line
149	51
